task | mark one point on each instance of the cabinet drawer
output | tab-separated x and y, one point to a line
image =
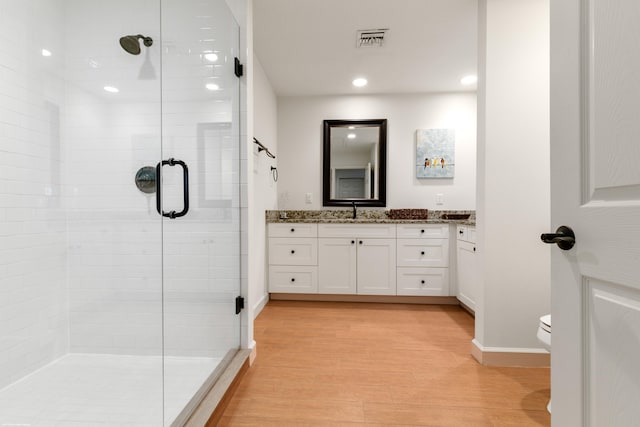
357	230
423	253
466	233
419	231
423	281
471	234
293	230
283	251
293	279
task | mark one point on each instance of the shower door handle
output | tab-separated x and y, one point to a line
185	192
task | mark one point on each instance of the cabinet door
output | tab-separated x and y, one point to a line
376	270
467	274
337	266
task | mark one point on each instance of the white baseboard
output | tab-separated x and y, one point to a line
398	299
254	352
257	308
506	356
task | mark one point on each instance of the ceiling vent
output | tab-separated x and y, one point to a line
371	38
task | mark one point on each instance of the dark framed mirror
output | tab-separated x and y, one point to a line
354	162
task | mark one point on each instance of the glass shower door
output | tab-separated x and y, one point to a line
81	339
111	314
200	198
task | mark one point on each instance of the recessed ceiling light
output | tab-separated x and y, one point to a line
469	80
211	57
46	52
359	82
111	89
212	86
351	136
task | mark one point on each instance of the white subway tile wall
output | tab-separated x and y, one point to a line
114	231
33	240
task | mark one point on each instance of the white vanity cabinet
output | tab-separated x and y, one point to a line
407	259
423	259
293	258
357	259
466	265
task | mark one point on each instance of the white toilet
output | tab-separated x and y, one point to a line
544	336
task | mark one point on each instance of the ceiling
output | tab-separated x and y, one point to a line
308	47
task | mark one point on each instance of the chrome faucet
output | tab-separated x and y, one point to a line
353	204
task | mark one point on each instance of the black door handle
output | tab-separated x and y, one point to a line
564	237
185	188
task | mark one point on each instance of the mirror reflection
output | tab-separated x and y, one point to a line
354	162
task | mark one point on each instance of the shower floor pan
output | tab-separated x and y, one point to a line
94	390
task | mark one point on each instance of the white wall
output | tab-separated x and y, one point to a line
300	146
513	172
265	188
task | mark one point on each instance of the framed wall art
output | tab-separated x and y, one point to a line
435	153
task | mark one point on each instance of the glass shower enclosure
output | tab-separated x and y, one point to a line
119	209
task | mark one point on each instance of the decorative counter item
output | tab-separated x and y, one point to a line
409	214
456	216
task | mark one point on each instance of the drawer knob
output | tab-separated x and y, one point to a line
360	242
293	279
474	249
422	253
353	242
292	251
293	229
422	281
459	232
422	231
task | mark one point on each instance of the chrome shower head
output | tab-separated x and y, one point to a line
132	45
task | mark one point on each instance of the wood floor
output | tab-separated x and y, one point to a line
356	364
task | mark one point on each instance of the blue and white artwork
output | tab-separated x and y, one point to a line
435	153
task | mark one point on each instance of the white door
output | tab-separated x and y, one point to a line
595	189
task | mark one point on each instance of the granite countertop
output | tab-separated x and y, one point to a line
370	216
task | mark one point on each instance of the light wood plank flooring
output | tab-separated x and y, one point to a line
351	364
